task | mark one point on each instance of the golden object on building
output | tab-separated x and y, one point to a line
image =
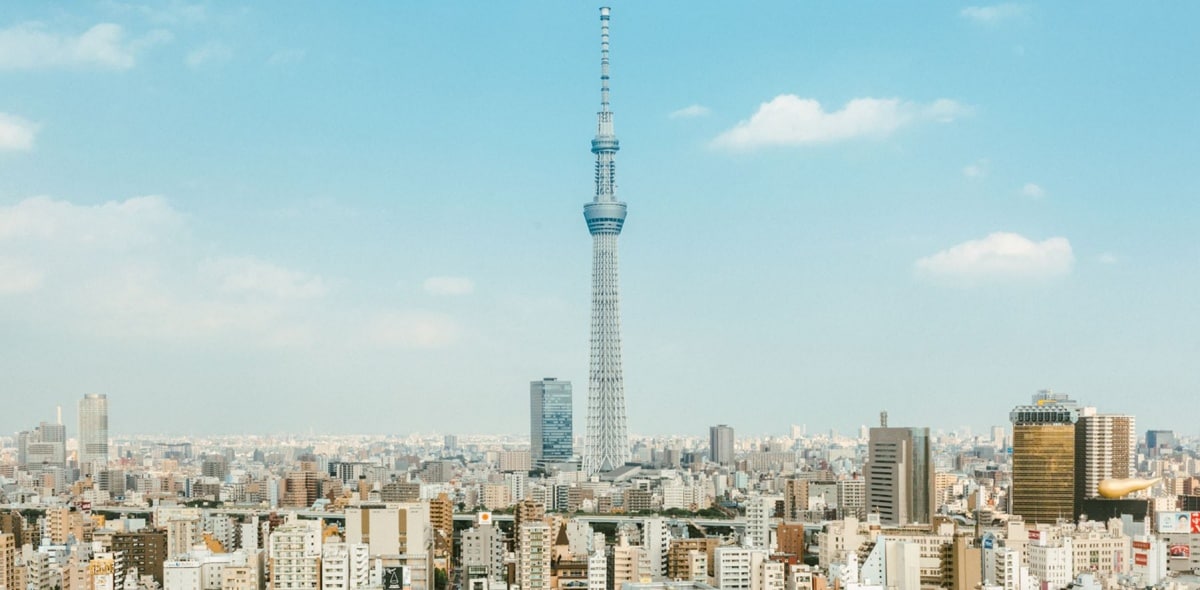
1116	488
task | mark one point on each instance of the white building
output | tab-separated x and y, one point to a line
656	538
759	512
345	566
181	575
295	555
735	567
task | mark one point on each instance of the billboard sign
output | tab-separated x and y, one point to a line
1178	522
1179	551
395	578
989	541
1140	559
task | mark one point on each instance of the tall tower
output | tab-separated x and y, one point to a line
93	433
607	441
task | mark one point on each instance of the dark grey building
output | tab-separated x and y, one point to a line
720	444
899	473
550	422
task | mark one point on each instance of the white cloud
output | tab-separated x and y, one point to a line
16	134
690	112
978	169
1033	191
18	277
448	286
213	52
999	256
244	275
413	329
791	120
111	225
1108	258
994	14
30	46
131	270
286	57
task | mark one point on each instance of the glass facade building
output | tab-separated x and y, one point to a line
1043	458
550	422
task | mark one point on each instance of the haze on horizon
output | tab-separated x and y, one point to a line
249	219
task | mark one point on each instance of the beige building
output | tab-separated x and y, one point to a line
533	555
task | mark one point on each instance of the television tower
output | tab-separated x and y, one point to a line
607	440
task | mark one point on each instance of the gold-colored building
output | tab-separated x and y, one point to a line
1043	460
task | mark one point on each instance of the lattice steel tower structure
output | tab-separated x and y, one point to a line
607	440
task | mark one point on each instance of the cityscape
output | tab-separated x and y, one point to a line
210	443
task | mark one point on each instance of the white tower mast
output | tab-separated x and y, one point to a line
607	439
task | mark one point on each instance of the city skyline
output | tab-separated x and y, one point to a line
957	204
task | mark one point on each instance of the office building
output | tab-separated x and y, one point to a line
1160	441
1043	460
899	475
607	440
93	433
550	422
720	444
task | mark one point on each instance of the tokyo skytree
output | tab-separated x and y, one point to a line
607	440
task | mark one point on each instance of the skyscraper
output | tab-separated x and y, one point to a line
899	472
93	433
607	440
720	444
1043	460
1105	447
550	431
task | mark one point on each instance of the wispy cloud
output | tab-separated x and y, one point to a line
448	286
788	119
30	46
690	112
976	169
286	57
214	52
16	134
999	256
993	14
413	329
247	275
1108	258
1033	191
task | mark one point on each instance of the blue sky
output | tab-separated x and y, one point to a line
286	216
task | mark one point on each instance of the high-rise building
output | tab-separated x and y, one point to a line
534	542
607	439
1043	460
1158	441
899	473
1105	447
550	432
720	444
93	433
44	448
